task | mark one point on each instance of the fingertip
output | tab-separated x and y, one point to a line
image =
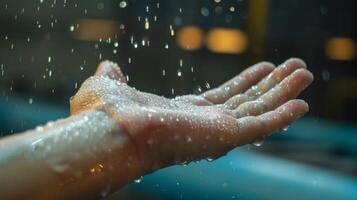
266	65
297	108
310	77
305	75
304	105
298	62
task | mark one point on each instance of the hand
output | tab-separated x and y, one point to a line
247	108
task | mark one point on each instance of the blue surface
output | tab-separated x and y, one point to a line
241	174
247	175
16	114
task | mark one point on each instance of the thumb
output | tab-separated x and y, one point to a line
111	70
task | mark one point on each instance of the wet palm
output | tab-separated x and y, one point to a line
166	131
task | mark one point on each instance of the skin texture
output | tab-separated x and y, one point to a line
116	134
164	131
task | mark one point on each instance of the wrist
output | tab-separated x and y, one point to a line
80	156
115	156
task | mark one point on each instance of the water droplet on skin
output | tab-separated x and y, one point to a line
258	143
39	128
209	159
138	180
188	139
184	163
286	128
227	90
60	168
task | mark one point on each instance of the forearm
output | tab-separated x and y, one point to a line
81	156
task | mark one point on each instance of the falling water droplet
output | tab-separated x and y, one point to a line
71	28
147	24
325	75
123	4
204	11
172	31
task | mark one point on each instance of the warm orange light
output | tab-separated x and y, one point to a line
190	38
223	40
94	29
339	48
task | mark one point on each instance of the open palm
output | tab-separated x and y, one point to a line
250	106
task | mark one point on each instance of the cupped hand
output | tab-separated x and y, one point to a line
247	108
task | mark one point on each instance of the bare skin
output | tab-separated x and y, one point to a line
156	132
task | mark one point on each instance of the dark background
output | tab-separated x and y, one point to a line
32	31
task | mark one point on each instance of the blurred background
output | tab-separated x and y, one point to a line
49	47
